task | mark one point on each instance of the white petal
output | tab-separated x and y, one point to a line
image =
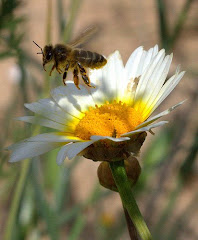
150	55
167	89
139	61
26	149
119	75
156	117
61	156
133	63
97	138
53	137
137	64
144	129
142	87
42	122
71	150
72	100
99	94
49	109
51	105
108	80
157	80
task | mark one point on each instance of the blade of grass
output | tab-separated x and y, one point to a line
61	20
187	166
47	213
161	8
172	201
116	232
75	4
154	157
49	22
15	205
62	186
179	24
95	196
48	40
80	216
77	228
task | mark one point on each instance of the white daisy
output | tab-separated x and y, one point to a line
118	108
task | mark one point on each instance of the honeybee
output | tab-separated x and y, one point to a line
68	57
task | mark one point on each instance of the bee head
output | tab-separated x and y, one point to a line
47	54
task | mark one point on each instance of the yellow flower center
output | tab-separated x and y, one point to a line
110	119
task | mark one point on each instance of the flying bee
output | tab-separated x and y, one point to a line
68	57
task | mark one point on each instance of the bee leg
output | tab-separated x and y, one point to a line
76	79
58	69
65	73
84	75
52	69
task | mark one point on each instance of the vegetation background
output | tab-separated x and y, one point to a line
38	199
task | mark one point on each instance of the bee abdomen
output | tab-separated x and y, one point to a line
90	59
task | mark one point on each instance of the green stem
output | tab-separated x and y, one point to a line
126	195
131	228
10	228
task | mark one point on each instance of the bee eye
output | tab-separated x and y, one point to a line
49	56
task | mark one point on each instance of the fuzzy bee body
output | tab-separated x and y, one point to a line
68	57
89	59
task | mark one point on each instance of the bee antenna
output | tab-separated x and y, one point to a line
39	47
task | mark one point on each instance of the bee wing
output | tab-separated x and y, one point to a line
84	36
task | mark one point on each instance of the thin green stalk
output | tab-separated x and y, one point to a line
11	222
171	204
77	228
75	4
162	22
15	204
48	40
126	195
48	214
179	23
95	196
49	22
187	166
61	20
63	186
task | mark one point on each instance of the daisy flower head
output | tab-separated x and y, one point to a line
108	121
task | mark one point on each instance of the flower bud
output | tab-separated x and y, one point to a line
105	176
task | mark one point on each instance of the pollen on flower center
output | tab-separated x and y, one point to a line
110	119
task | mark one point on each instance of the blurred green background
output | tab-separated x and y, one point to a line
38	199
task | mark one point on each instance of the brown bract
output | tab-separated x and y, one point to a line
107	150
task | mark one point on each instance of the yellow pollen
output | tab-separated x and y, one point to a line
110	119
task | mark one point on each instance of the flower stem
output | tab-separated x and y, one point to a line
126	195
132	230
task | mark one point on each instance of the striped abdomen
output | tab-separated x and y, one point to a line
89	59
